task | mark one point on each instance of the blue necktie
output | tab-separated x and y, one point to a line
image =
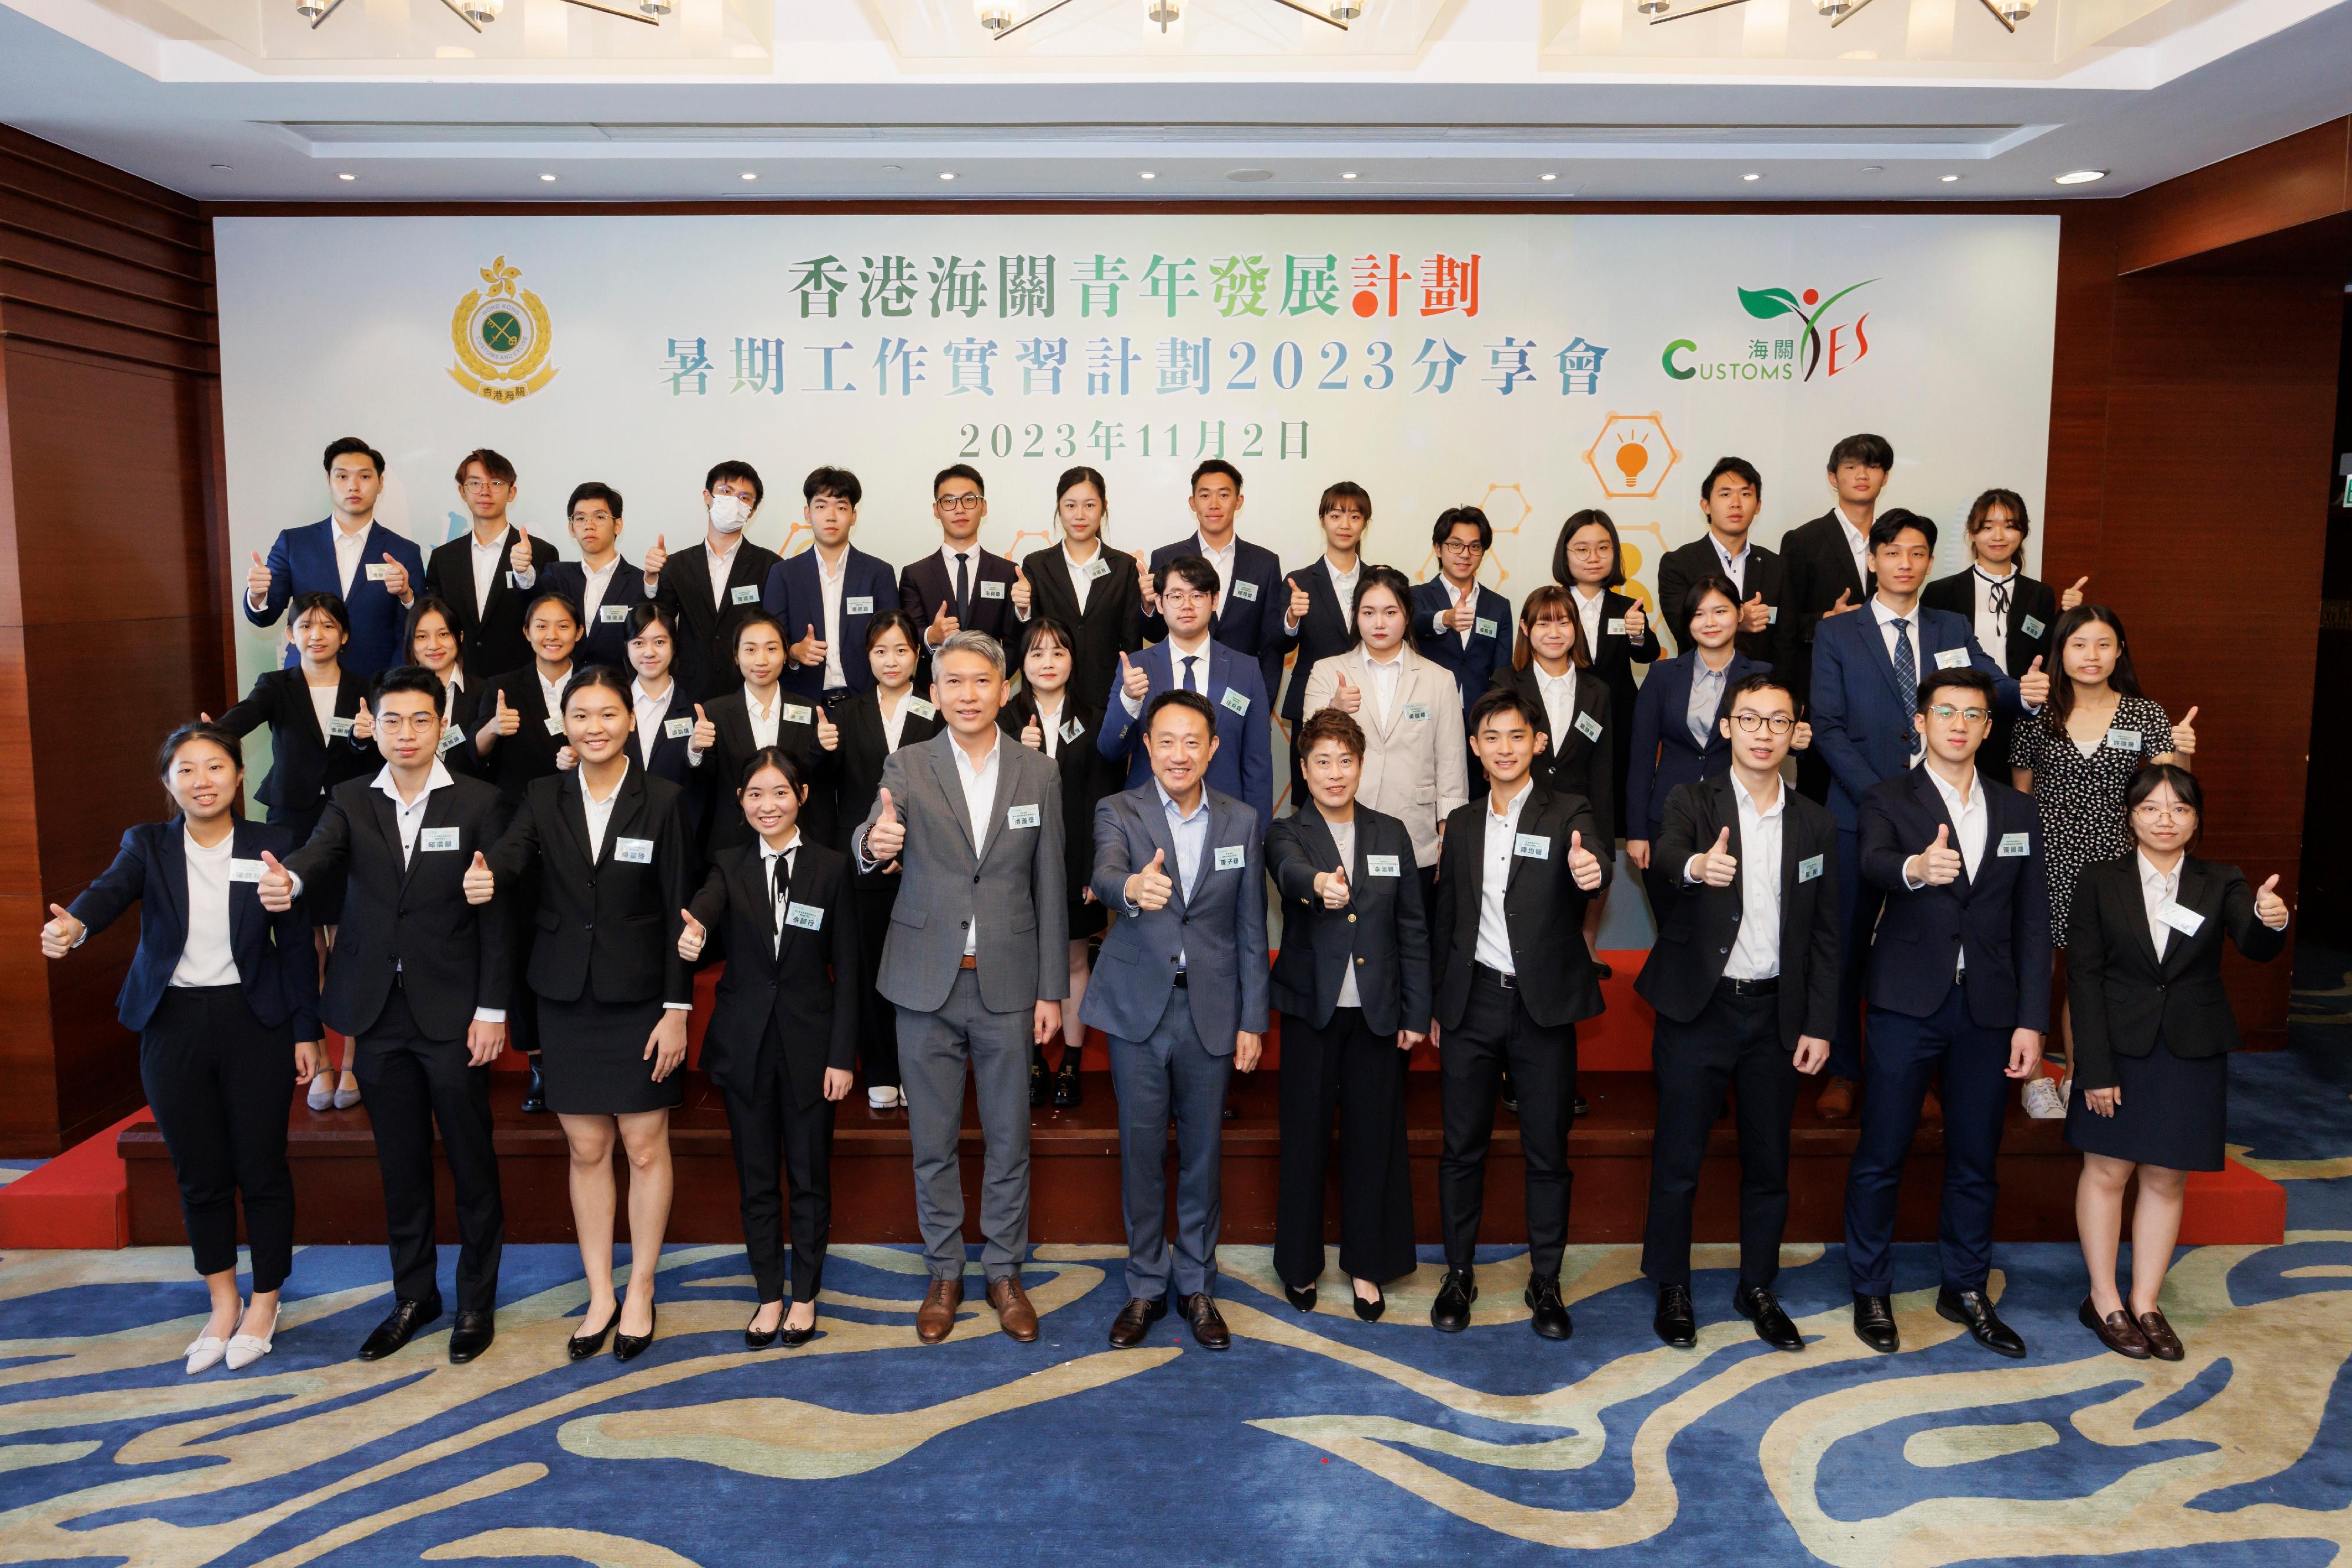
1191	684
1906	669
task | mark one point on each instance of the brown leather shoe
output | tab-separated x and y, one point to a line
1836	1101
1208	1324
1135	1320
1014	1315
2115	1331
936	1319
2162	1342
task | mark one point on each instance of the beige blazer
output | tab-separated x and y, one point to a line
1415	762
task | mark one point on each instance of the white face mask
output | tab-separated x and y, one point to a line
728	514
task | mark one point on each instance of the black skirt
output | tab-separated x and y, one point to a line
593	1055
2174	1112
1086	919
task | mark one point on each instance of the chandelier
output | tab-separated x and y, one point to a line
480	14
2008	13
1002	18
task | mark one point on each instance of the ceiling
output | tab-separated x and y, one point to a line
1255	101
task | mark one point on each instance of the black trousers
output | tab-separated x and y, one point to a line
1344	1065
775	1136
409	1083
1495	1034
219	1081
521	900
1734	1044
878	1023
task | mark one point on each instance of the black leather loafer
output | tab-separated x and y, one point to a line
398	1328
1450	1313
1066	1093
1676	1321
1873	1325
534	1092
471	1335
1551	1319
1763	1309
1973	1309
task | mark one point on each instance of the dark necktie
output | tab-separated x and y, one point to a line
1192	683
1907	668
1999	603
781	884
963	588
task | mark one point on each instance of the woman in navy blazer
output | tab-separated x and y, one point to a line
1664	754
225	997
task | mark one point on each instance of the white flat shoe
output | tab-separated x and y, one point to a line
322	1091
205	1352
882	1098
245	1349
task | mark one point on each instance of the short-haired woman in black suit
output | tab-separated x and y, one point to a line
224	997
615	869
784	1034
437	643
2152	1037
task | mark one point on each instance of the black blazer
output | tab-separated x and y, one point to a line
275	964
1542	904
1322	631
605	638
857	768
494	637
2030	600
411	919
1112	625
1818	566
1087	777
924	585
529	753
705	664
1999	918
807	986
304	763
457	753
1698	925
1678	570
607	928
1382	933
722	766
1576	763
2125	998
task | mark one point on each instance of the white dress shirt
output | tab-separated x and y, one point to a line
1972	819
1081	584
1857	545
1734	567
2159	891
978	800
1910	634
1177	654
552	693
829	581
207	958
489	560
1344	835
1992	625
1494	945
451	685
1343	584
351	550
764	721
594	586
1049	724
1468	596
651	711
1588	610
969	555
767	859
1224	561
721	563
322	705
1559	693
600	817
1382	679
1755	951
894	722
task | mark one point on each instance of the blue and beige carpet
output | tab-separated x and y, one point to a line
1315	1441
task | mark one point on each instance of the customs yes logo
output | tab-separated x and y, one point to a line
502	336
1808	329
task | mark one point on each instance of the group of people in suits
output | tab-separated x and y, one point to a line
516	800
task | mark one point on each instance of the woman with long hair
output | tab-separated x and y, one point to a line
1551	667
1092	590
1588	561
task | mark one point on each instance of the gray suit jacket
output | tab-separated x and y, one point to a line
1010	883
1219	930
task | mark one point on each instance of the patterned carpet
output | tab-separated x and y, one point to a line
1315	1441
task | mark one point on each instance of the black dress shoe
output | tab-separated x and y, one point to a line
1303	1299
471	1335
793	1338
1581	1108
1603	971
1135	1320
1873	1325
1039	1090
399	1328
755	1338
1371	1311
1510	1095
1450	1313
581	1346
1675	1322
1232	1112
1066	1093
1974	1309
1762	1308
1551	1319
1207	1324
534	1092
629	1346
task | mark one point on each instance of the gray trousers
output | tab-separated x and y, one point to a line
933	1050
1170	1075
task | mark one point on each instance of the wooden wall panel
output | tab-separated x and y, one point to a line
2293	181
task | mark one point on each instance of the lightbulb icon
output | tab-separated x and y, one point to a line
1632	458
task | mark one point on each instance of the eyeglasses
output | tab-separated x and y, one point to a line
1947	712
958	503
2149	812
1463	547
480	487
1589	552
401	724
1750	721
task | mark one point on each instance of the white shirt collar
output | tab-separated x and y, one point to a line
1953	800
1518	803
751	702
948	554
2148	874
963	758
1885	616
1176	652
789	845
1748	803
437	779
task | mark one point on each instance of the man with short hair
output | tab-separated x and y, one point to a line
1190	659
1729	498
1254	600
1827	563
711	589
604	586
487	575
1458	620
962	587
347	553
826	595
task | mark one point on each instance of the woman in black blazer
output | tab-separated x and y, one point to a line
1591	564
2019	610
1112	622
802	728
614	868
874	723
1581	739
784	1034
1665	752
435	642
1048	715
1353	982
669	727
224	997
2152	1037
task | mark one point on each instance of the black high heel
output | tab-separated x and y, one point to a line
581	1346
1371	1311
629	1346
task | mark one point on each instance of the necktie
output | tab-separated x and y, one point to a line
963	588
1999	603
1907	668
782	881
1192	683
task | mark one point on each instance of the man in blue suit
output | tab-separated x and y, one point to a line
1255	600
347	553
828	594
1191	660
1960	992
1867	665
1181	990
1458	620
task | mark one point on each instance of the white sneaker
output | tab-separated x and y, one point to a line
205	1352
882	1097
2044	1103
245	1349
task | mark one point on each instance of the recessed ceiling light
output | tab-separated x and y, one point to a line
221	166
347	176
547	179
1248	176
1147	174
2081	176
1347	173
947	174
1546	178
1751	177
1952	179
1874	168
746	174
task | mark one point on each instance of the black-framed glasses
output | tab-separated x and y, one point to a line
1750	721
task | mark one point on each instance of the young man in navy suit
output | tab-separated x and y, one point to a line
826	596
1191	660
374	571
1827	563
1864	686
1960	992
959	587
1458	622
1255	599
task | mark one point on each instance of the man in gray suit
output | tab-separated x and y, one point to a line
977	963
1181	989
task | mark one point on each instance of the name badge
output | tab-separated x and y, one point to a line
1417	712
1229	857
797	713
2012	845
2123	740
377	571
1245	591
804	918
1532	846
1952	659
1071	730
1588	727
2188	922
1614	627
611	614
1808	869
634	851
920	708
1235	701
1382	865
1097	568
340	728
677	728
1023	817
1771	615
514	580
992	590
1486	626
435	840
859	604
555	724
244	871
2030	626
449	737
747	594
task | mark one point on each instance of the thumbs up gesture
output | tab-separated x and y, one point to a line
566	759
2034	686
656	559
1331	887
887	836
396	577
2269	907
508	721
2184	735
2073	596
1151	887
1348	698
1133	679
705	734
1582	863
1299	602
1020	593
1755	615
690	937
1033	736
363	724
518	558
276	888
1719	865
828	734
1938	865
1845	604
61	931
943	627
1463	614
479	883
1143	585
1637	623
256	580
811	649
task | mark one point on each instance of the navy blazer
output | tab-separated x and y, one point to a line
606	639
1250	609
1244	766
1862	724
1662	754
275	964
302	560
1219	930
1474	667
1999	918
796	596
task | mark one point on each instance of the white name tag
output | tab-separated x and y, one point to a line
1229	857
1532	846
1245	591
340	728
1021	817
798	713
2188	922
2030	626
514	580
449	737
1097	568
611	614
1382	865
1614	627
1416	712
1588	727
1952	659
244	871
2012	845
1235	701
1486	626
2123	740
677	728
1771	615
377	571
861	604
634	851
435	840
920	708
1071	730
555	724
992	590
1809	868
804	918
746	594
